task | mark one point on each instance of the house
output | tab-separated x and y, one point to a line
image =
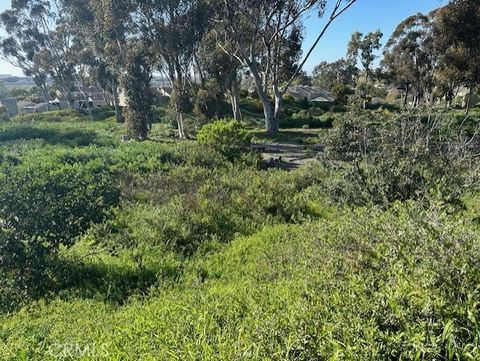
311	94
29	107
25	107
10	105
40	108
161	96
83	97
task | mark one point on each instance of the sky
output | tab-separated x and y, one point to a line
364	16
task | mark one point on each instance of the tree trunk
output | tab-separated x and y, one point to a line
116	102
235	99
199	69
68	95
278	106
45	96
469	100
182	134
270	122
407	91
85	97
364	105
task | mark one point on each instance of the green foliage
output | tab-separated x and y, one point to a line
389	285
57	116
404	158
51	205
225	136
42	208
313	118
136	82
341	93
189	206
165	249
208	102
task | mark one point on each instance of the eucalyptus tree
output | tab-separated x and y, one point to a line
266	36
223	70
173	30
457	35
103	26
361	48
59	59
410	57
341	71
136	82
27	26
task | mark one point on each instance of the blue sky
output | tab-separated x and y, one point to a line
364	16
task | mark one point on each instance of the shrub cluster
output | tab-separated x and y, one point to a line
188	206
405	158
43	207
228	137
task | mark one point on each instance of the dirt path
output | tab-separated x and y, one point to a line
288	155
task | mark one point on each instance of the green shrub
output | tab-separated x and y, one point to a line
314	118
55	116
404	158
48	205
189	206
227	137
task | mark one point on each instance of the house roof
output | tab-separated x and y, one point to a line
39	106
23	104
314	94
323	99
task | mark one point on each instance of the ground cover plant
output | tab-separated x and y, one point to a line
159	249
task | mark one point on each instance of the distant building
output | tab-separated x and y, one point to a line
10	105
161	95
29	107
92	96
40	108
58	104
311	94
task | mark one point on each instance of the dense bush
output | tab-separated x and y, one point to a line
52	205
45	206
404	158
189	206
57	116
314	118
227	137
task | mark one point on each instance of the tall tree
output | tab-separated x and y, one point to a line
58	58
410	57
27	25
457	31
136	83
266	37
362	49
327	74
224	70
103	26
174	29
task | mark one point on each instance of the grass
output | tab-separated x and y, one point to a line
345	287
